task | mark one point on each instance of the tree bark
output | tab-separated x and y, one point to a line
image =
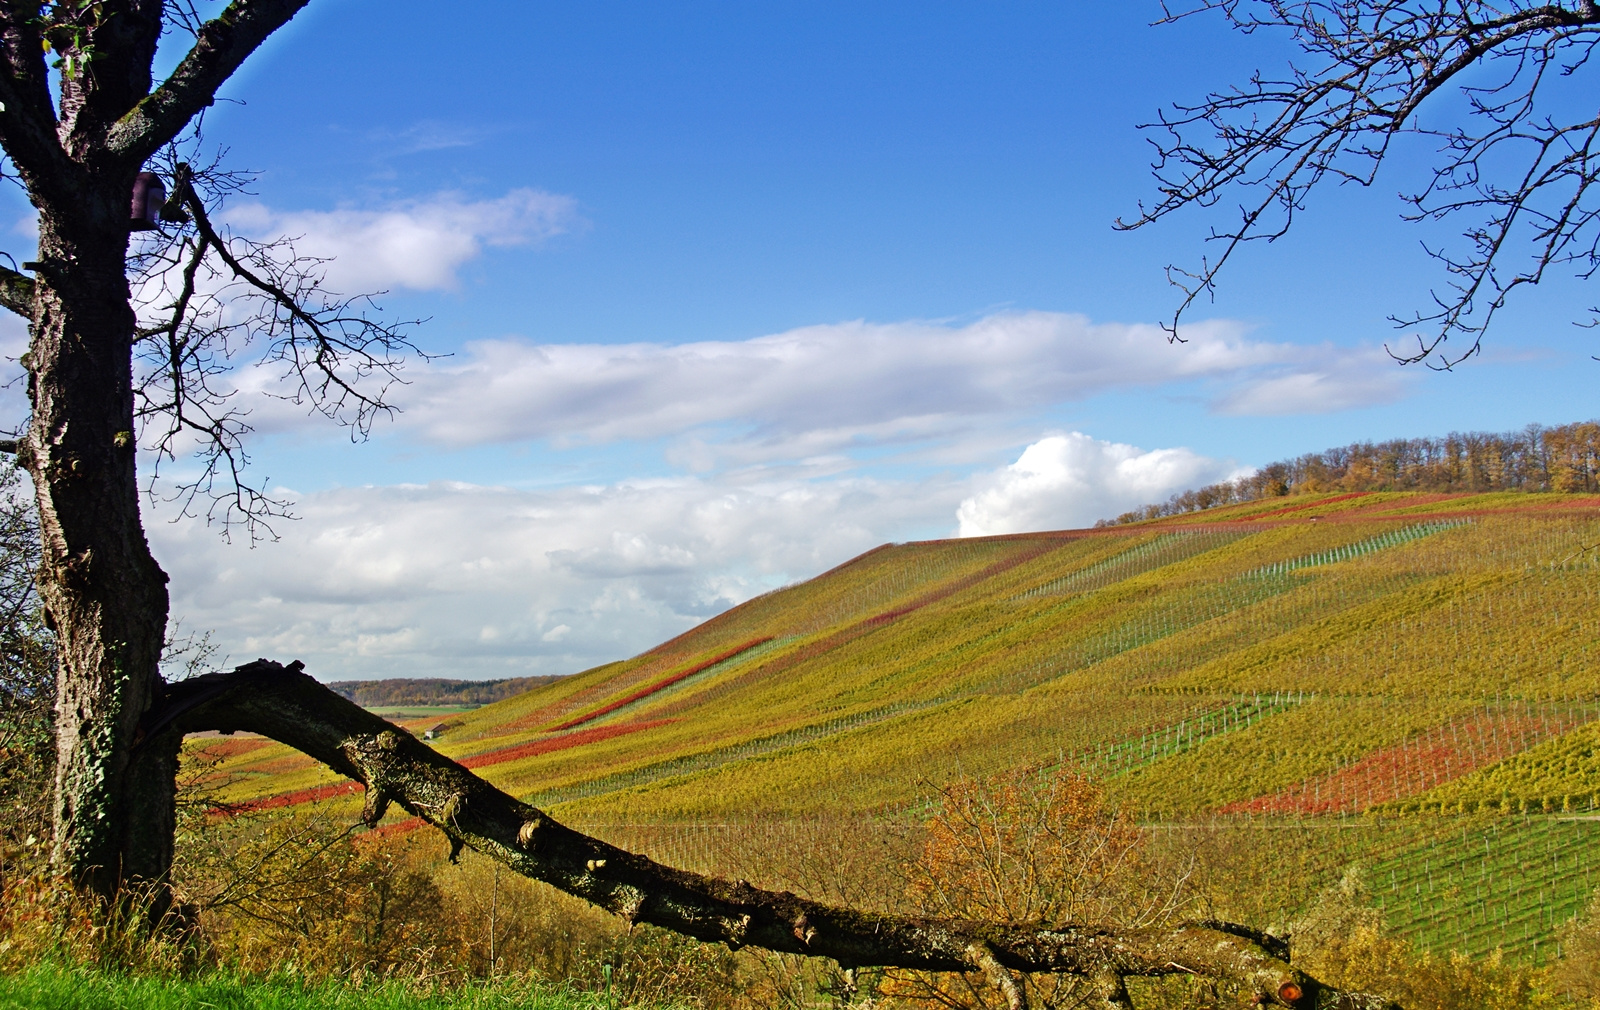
286	705
103	593
77	135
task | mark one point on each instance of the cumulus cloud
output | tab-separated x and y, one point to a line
455	579
818	388
1069	481
417	244
463	580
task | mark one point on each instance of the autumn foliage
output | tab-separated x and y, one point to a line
1565	458
1031	845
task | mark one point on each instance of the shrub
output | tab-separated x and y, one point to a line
1029	846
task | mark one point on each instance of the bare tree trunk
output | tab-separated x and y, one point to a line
288	706
104	595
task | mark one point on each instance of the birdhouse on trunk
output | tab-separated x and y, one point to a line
148	195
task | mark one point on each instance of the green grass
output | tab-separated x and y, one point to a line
1509	883
51	987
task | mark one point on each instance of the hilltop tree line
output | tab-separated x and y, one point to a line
403	691
1564	458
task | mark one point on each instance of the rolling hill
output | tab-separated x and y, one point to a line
1407	681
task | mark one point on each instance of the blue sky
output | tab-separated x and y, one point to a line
735	291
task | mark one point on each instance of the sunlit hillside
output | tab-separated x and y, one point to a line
1406	681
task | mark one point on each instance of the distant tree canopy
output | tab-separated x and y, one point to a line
1565	458
401	691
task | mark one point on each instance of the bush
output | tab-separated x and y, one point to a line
1341	941
1029	846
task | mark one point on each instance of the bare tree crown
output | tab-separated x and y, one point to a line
1517	170
208	300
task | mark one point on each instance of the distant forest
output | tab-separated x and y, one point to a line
433	690
1563	458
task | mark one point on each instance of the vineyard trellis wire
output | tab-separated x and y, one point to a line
1158	552
1349	552
719	756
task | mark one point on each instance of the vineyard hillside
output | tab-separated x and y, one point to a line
1403	682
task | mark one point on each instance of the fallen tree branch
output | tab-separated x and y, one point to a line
286	705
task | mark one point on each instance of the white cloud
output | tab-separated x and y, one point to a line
428	135
462	580
418	244
1069	481
817	393
822	388
1355	381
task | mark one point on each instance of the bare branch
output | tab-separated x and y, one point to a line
210	297
1374	65
329	349
983	956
